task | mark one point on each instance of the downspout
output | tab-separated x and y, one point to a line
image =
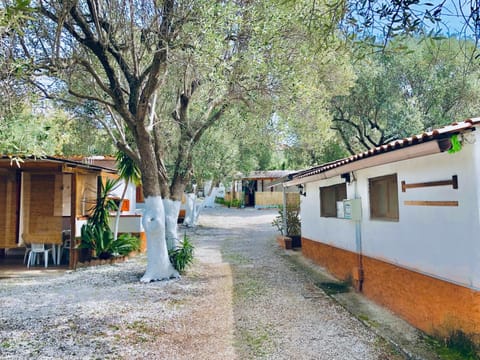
358	272
284	211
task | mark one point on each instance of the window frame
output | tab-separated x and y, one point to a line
326	208
388	184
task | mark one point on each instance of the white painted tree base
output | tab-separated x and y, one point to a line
158	263
190	210
172	208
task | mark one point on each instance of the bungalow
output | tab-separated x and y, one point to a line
46	200
402	222
263	189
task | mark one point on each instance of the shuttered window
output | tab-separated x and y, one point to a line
384	198
329	195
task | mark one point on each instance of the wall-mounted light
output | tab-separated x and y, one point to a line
346	176
301	190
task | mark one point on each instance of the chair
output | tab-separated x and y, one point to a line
37	249
67	243
28	248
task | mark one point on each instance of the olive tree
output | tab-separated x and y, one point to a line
164	72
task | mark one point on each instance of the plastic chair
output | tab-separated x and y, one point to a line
28	249
67	243
37	249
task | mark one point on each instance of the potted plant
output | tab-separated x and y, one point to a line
293	225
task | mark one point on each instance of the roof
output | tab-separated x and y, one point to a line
426	143
53	159
267	174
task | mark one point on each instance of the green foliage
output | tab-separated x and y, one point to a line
456	346
125	244
292	220
98	239
398	94
236	203
456	145
182	256
104	204
96	234
127	169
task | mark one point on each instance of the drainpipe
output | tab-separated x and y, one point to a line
284	210
358	272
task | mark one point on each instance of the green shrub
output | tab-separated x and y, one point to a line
125	244
182	256
293	221
230	203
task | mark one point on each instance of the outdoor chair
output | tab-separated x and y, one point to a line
37	249
67	243
28	248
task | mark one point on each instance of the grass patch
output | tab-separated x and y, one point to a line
257	342
457	346
236	259
332	288
246	287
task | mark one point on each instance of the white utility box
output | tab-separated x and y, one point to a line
352	209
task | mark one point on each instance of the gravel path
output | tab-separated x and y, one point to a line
241	300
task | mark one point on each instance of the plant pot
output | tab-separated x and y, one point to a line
296	241
284	241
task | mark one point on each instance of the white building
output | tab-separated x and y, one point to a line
410	239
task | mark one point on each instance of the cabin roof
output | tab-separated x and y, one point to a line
267	174
31	160
428	142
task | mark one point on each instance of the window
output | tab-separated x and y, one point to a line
329	195
384	198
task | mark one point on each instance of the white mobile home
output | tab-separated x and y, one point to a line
402	221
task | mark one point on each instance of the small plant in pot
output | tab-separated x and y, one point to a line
293	224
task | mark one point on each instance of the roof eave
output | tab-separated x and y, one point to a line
410	152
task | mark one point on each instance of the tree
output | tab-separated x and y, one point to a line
399	94
165	72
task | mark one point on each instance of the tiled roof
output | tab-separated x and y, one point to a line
267	174
437	134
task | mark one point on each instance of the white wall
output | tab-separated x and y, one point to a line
443	241
131	194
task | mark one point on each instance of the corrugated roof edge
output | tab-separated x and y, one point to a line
64	161
436	134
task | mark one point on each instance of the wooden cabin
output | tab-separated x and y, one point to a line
45	200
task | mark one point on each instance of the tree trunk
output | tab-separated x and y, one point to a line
158	263
172	208
190	210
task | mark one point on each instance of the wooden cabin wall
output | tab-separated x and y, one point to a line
86	193
8	202
42	213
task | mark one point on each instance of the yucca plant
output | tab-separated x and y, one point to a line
182	256
96	234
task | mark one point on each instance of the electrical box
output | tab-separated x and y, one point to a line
352	209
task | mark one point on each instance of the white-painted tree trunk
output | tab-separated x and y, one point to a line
172	208
198	207
158	263
210	199
190	210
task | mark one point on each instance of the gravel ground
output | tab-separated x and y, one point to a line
240	300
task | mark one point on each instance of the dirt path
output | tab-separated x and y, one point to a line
241	300
277	312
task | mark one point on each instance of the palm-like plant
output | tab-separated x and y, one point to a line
128	171
96	233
